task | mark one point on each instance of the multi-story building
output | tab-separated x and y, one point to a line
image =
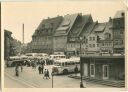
118	27
74	42
11	46
7	37
106	44
42	39
93	37
62	32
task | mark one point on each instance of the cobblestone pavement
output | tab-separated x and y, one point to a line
31	78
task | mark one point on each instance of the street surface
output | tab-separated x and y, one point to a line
30	78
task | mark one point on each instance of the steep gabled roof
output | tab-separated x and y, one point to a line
46	24
88	29
66	25
79	25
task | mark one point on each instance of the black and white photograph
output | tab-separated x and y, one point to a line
69	44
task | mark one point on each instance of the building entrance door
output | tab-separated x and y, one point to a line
92	70
85	69
105	72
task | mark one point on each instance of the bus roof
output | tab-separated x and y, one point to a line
68	60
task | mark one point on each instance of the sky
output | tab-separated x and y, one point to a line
14	14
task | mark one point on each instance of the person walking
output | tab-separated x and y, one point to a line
42	68
76	70
45	74
39	69
21	66
81	85
17	70
48	74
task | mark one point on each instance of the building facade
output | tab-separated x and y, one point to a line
42	39
62	33
106	70
12	46
118	32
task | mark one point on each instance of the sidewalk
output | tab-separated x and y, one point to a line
111	83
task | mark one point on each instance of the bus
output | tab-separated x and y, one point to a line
66	66
37	55
16	60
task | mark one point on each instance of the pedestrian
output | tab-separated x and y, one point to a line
39	69
81	85
48	74
42	68
21	67
76	70
17	70
45	74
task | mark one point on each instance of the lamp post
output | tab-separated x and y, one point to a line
52	78
81	82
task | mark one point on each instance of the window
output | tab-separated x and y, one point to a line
93	45
86	40
90	45
102	44
97	45
62	64
93	38
90	38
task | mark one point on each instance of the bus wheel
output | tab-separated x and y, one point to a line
65	71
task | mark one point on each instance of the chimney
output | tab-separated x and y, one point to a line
110	19
122	14
23	32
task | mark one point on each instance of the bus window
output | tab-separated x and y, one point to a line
58	64
77	62
66	63
69	63
62	64
73	63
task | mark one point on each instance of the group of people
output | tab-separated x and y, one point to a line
35	62
44	72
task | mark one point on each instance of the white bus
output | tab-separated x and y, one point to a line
66	66
16	60
37	55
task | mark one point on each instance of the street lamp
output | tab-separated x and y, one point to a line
81	82
52	78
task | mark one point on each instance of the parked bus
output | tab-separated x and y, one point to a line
16	60
66	66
